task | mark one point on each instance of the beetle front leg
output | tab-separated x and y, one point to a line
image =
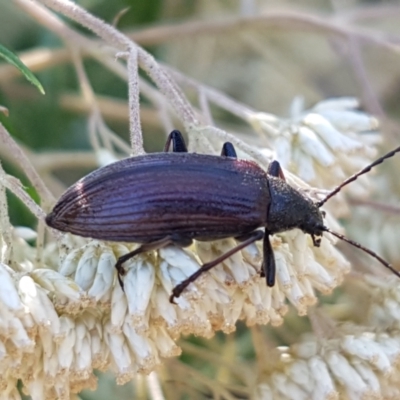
178	289
274	169
268	267
178	142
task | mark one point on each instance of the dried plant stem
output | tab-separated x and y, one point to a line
361	75
111	35
154	387
260	347
90	98
376	205
107	32
22	160
285	20
64	160
211	132
274	19
40	240
134	120
218	98
178	100
238	369
124	44
214	386
205	108
322	325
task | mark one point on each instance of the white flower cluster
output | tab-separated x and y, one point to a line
322	145
56	327
384	310
64	313
352	367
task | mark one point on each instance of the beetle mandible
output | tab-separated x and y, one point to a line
175	197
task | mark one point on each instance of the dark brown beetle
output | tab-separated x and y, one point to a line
174	197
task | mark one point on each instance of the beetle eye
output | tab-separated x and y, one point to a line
323	213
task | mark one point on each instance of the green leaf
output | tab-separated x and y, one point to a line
14	60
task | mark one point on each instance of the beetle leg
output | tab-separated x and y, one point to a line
228	150
274	169
268	267
141	249
178	143
178	289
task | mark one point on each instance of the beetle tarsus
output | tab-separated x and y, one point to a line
178	289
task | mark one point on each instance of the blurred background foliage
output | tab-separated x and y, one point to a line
265	67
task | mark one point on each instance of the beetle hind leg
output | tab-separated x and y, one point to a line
178	142
178	289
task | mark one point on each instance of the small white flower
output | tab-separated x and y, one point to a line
8	293
323	385
119	308
139	283
105	157
39	305
123	364
87	266
67	295
25	233
103	279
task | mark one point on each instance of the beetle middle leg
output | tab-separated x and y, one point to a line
178	289
178	142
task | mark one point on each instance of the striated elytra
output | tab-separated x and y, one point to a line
174	197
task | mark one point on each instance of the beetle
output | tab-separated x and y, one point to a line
173	198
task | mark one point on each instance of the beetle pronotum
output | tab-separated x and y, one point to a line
174	197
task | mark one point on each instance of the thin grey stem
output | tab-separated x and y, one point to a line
44	193
134	105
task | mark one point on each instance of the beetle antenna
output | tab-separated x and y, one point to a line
355	176
358	245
